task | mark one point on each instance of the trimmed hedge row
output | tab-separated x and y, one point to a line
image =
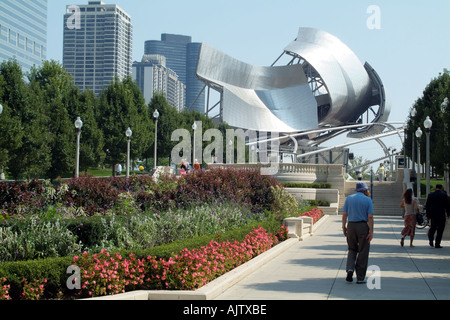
321	185
54	269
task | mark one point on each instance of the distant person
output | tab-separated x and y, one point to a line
438	211
381	172
183	167
357	226
411	207
196	165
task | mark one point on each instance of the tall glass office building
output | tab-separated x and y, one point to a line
23	32
98	41
182	57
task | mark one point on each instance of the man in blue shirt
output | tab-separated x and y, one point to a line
357	225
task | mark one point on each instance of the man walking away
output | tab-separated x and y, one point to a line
358	214
436	207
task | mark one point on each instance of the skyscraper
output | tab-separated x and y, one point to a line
98	40
152	75
182	57
23	32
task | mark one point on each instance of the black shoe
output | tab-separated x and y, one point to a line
361	281
349	276
438	247
431	244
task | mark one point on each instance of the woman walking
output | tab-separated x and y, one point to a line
410	206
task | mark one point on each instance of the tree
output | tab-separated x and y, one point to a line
92	141
121	105
431	104
54	88
358	162
24	135
169	120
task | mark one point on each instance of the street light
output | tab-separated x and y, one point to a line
78	126
413	150
156	116
128	133
428	124
194	127
419	136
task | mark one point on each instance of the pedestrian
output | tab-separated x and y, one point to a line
196	165
357	225
411	207
381	172
436	207
183	167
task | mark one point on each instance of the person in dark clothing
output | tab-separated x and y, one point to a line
437	207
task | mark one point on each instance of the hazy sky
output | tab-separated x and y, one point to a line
408	43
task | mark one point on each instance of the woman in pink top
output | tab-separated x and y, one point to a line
410	206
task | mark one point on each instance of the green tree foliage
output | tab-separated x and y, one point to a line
24	137
431	104
55	90
37	123
121	105
91	141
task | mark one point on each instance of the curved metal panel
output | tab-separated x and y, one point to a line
344	75
276	99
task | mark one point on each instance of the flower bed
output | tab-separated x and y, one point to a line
108	274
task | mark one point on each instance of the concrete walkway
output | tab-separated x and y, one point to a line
314	269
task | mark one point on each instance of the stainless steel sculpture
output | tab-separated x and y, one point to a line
324	85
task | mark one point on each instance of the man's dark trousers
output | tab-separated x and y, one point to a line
437	227
358	248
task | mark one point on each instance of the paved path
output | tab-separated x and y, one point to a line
314	269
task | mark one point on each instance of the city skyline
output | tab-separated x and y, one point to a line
404	41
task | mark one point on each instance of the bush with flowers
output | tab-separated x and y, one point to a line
314	213
4	289
33	290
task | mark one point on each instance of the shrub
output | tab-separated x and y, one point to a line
284	204
37	240
315	213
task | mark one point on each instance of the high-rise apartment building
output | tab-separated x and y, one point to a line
98	41
182	57
152	75
23	32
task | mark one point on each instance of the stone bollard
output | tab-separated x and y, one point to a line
294	226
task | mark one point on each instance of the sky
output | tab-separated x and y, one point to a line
406	42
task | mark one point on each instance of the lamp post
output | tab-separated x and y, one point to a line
413	150
156	116
419	136
128	133
194	127
444	106
428	124
78	126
